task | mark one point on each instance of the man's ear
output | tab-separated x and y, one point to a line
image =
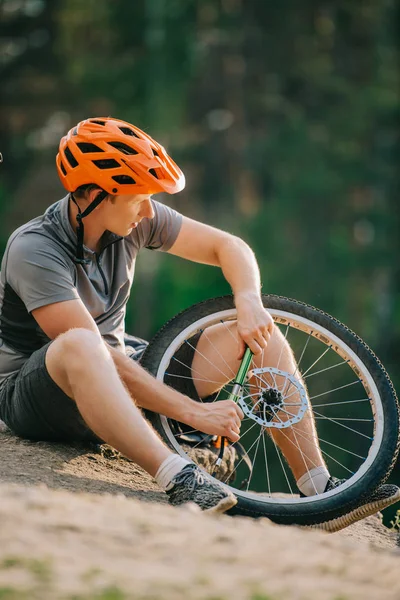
92	195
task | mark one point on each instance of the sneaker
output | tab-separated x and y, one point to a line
192	485
381	498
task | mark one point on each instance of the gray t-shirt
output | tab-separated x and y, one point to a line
38	268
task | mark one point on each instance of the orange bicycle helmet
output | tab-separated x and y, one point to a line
118	157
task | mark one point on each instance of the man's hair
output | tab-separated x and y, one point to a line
84	190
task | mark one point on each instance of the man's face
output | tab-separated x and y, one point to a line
125	212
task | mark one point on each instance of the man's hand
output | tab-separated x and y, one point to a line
218	418
254	324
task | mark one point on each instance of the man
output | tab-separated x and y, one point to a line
65	280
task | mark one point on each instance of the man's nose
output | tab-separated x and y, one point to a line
147	209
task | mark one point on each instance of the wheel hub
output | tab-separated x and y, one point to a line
271	397
274	407
268	399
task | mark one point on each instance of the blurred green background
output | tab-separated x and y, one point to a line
284	117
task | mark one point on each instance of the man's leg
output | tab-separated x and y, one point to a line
71	390
79	363
82	367
215	363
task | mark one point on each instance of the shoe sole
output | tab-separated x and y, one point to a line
366	510
222	506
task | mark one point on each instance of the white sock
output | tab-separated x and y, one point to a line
168	469
313	481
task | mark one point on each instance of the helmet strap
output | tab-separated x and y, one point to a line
80	230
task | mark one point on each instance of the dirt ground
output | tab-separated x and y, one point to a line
78	524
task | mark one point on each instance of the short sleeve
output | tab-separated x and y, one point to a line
160	232
38	272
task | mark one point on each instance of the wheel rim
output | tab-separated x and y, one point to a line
370	429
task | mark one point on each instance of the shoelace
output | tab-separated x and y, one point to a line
188	473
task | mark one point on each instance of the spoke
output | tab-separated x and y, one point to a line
255	456
262	380
302	354
282	465
197	378
217	351
208	360
226	326
328	392
244	388
201	378
348	419
274	380
337	462
254	406
302	456
340	448
345	362
220	390
249	429
262	358
250	396
198	443
249	419
252	385
266	465
190	368
343	402
247	451
296	391
316	361
290	395
186	432
298	447
230	331
308	437
292	442
342	425
280	355
287	412
342	387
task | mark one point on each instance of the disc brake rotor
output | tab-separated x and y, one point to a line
271	406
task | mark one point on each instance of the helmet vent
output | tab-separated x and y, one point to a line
70	157
124	179
128	131
85	147
62	167
106	163
153	172
98	122
123	147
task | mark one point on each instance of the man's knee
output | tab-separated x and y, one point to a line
80	343
73	351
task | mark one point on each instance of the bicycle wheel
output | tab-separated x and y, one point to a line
353	402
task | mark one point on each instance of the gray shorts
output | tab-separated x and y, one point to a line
34	407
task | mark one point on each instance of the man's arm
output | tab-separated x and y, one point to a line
204	244
221	418
218	418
